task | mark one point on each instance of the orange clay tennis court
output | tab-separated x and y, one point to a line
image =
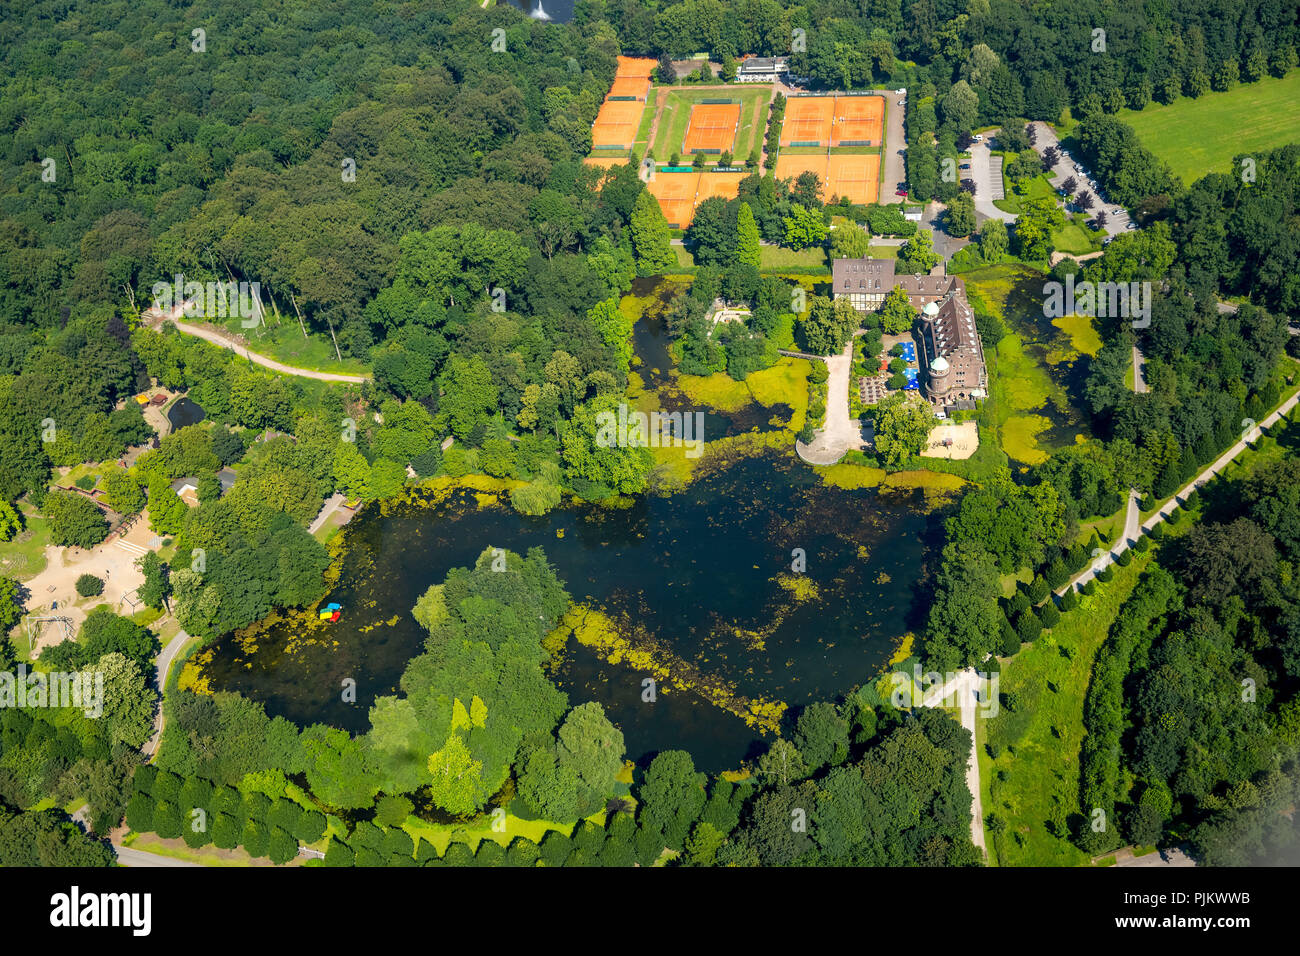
635	66
712	127
680	193
616	124
858	121
854	177
791	167
635	87
726	185
676	195
807	120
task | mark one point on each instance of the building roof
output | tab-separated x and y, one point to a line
765	64
862	275
954	327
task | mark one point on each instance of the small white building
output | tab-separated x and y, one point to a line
762	69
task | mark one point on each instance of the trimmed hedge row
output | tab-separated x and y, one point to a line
201	812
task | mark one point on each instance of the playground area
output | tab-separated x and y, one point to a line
955	441
55	611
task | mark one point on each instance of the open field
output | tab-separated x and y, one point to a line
774	258
1038	743
1202	136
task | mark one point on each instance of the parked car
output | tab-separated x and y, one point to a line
1130	225
901	91
965	165
901	102
978	137
900	192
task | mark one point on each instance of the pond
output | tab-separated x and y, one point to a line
700	578
695	573
559	11
183	412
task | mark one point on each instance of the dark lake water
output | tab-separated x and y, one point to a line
695	572
184	412
690	569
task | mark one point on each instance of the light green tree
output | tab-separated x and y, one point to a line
456	777
11	522
917	254
748	247
804	227
651	238
850	241
897	314
902	429
993	240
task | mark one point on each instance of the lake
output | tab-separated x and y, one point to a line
696	572
700	577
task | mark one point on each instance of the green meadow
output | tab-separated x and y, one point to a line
1201	136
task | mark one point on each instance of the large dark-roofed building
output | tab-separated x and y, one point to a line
952	355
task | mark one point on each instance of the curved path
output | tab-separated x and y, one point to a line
161	666
154	317
840	433
216	338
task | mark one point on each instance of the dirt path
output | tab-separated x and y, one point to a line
156	319
840	433
1131	534
217	338
964	689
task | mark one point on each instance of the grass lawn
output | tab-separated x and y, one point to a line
772	258
671	134
1037	188
24	557
285	344
777	257
1203	135
440	835
1075	238
1040	741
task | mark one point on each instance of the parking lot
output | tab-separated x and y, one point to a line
1117	218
